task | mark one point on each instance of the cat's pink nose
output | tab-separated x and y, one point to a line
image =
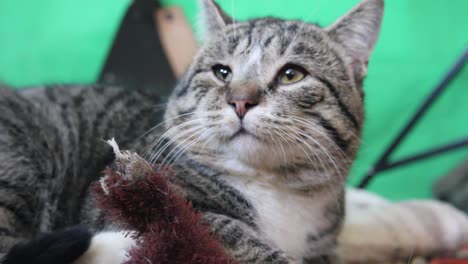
243	105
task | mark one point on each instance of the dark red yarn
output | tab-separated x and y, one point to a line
168	229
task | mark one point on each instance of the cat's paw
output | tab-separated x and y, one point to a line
59	247
108	248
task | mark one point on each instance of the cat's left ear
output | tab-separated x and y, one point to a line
213	17
357	33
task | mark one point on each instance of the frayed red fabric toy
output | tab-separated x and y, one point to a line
166	227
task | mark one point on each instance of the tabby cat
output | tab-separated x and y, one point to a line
262	130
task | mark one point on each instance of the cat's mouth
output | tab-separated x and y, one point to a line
241	132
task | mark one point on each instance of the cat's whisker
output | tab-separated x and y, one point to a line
168	142
208	131
284	158
162	123
180	146
168	132
327	154
317	129
311	149
172	139
324	166
296	138
319	158
176	156
155	143
298	132
175	138
278	145
214	135
284	136
337	150
317	143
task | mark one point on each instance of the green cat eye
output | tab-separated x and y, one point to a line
290	74
222	72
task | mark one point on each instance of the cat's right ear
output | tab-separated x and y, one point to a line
213	17
357	33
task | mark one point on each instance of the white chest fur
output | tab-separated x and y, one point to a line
285	218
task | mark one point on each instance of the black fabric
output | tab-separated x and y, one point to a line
136	58
61	247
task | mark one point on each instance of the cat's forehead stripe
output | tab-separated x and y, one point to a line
254	59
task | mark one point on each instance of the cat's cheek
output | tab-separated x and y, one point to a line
252	121
231	123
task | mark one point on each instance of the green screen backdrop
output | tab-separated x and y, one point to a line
63	41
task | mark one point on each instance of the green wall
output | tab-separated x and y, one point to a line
63	41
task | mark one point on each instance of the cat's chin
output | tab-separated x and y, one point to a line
244	142
243	134
252	151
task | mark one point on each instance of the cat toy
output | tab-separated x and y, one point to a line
165	226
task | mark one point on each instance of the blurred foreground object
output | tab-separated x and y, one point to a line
152	48
379	231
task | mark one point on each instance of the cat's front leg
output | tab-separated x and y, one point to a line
324	251
242	242
325	259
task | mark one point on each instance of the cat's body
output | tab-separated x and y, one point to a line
52	147
261	131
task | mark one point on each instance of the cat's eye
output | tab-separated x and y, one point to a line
290	74
222	72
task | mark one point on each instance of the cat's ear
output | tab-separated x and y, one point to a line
357	33
213	17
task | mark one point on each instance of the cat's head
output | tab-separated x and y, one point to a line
275	94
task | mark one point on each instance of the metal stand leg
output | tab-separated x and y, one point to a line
384	163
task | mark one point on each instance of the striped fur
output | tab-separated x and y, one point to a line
52	147
271	184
